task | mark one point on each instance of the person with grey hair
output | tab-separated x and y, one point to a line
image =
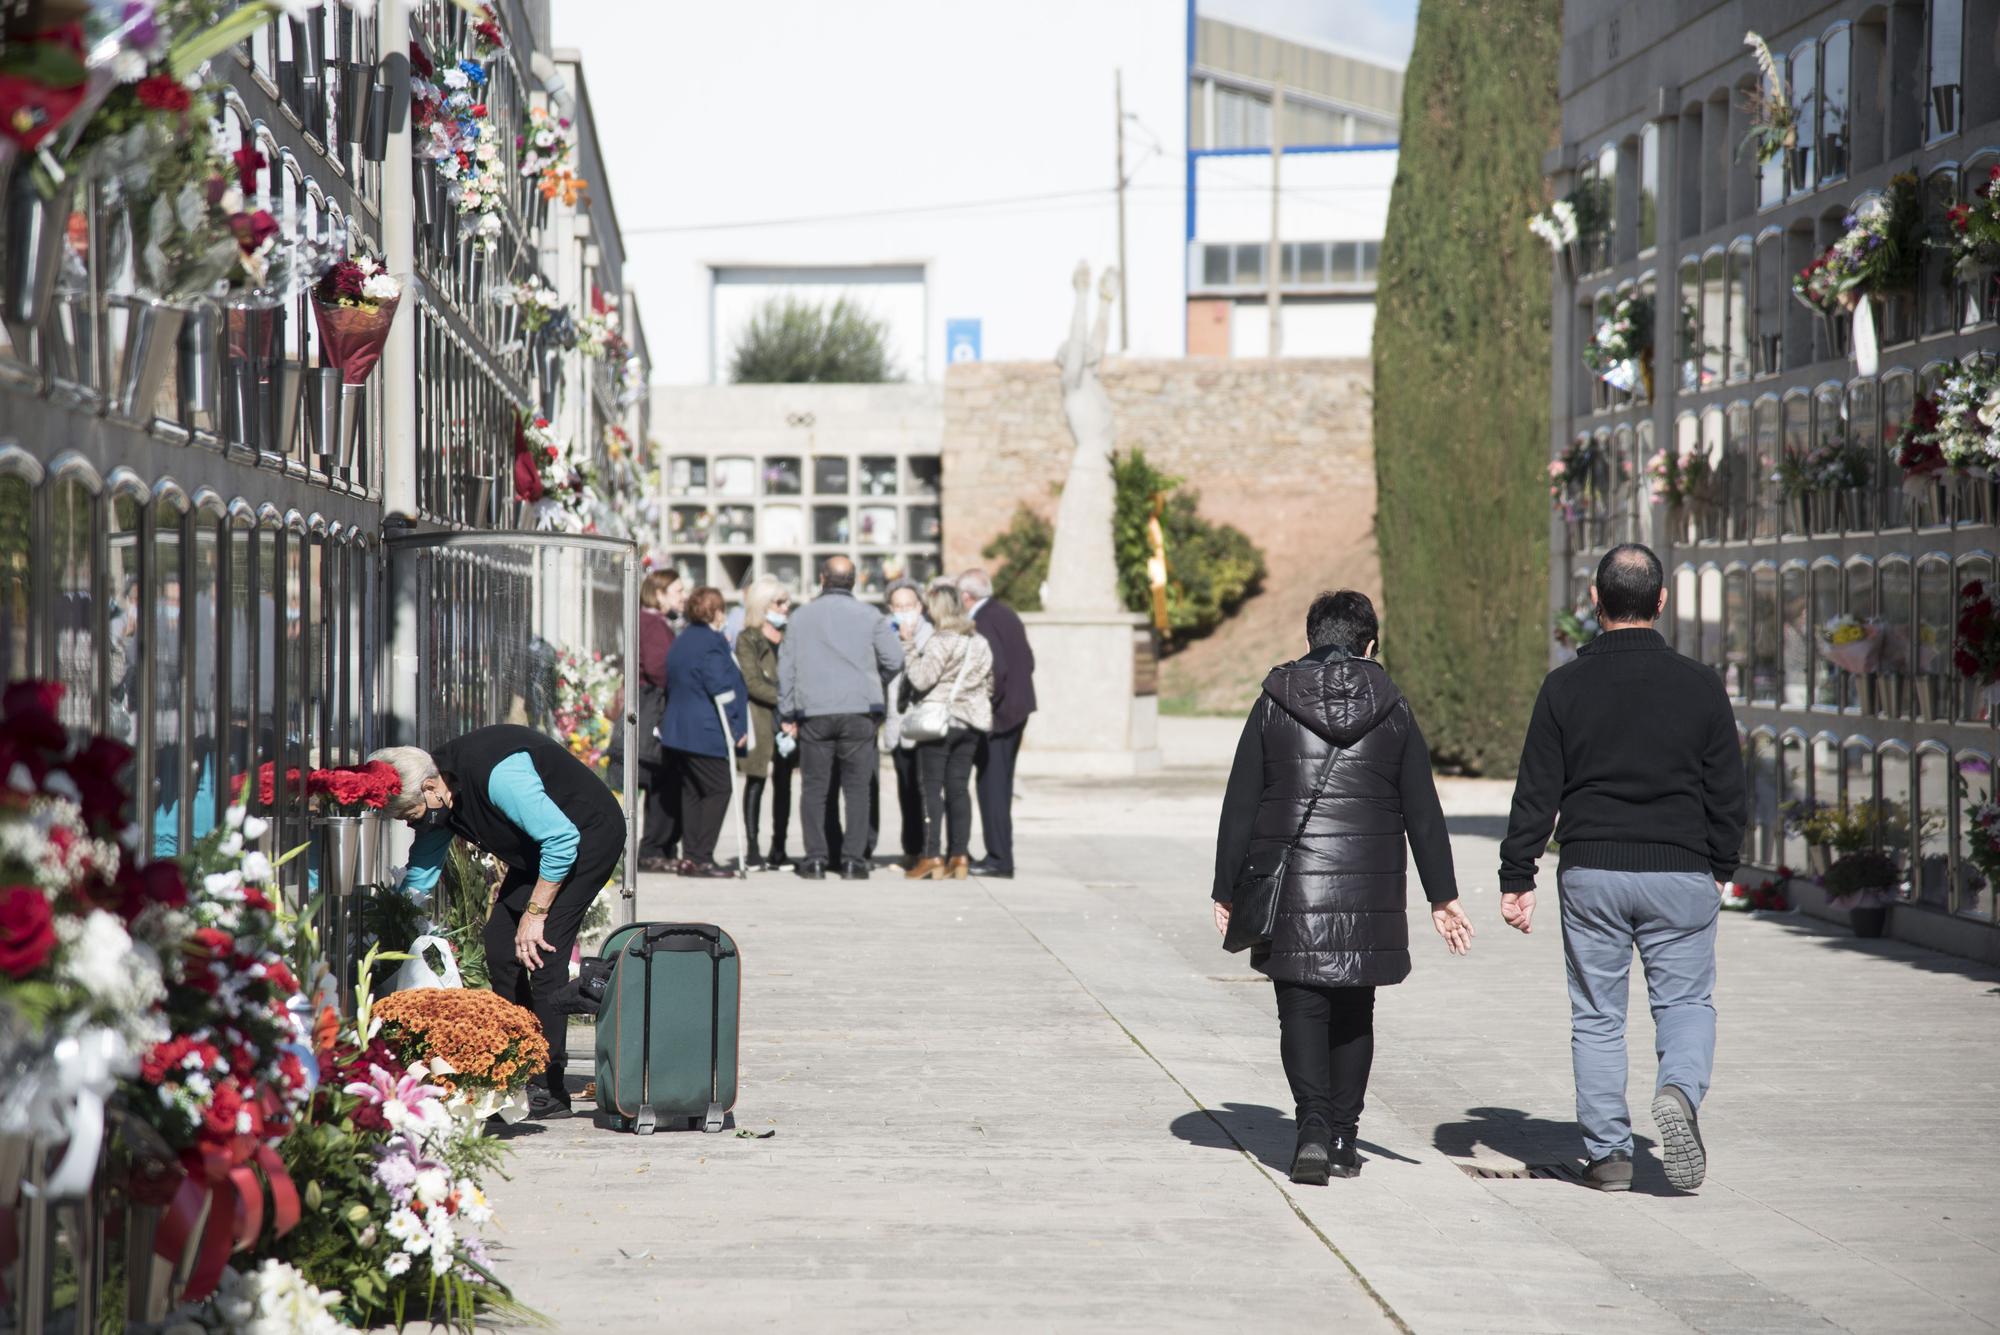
913	628
955	666
1013	701
773	755
523	798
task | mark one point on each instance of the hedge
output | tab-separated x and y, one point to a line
1462	378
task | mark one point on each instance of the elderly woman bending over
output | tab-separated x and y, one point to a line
526	800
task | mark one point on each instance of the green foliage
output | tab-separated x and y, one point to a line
1462	378
465	897
1858	873
793	342
1211	568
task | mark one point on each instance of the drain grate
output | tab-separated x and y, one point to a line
1545	1172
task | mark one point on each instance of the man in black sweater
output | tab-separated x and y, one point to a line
1636	746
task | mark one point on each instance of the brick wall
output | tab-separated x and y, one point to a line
1281	449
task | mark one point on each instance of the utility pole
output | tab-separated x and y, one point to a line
1274	261
1124	274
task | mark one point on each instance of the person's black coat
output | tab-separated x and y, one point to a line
1013	664
1342	915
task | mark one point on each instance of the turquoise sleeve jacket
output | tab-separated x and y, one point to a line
517	790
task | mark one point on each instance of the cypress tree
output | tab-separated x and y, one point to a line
1462	377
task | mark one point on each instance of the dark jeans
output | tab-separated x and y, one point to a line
910	799
834	840
596	858
1327	1038
704	803
997	751
947	772
779	781
661	834
845	741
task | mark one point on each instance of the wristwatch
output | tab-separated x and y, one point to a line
537	909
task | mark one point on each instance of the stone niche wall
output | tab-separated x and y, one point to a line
1281	449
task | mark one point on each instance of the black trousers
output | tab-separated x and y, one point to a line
661	833
910	799
834	839
596	858
997	752
845	742
704	803
947	775
1327	1039
779	781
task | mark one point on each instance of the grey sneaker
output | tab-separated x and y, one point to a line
1611	1173
1680	1138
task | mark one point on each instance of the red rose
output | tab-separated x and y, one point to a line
253	230
479	109
248	163
29	708
420	64
139	888
162	92
95	770
554	451
281	977
214	942
27	930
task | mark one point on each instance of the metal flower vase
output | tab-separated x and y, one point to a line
197	370
549	376
426	195
322	410
353	412
357	81
374	139
348	858
33	231
152	334
478	492
1930	695
283	391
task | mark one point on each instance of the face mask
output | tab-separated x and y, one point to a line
434	818
903	618
775	620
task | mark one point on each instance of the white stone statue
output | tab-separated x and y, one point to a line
1083	569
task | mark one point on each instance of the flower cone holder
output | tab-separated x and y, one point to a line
152	335
197	371
33	232
323	414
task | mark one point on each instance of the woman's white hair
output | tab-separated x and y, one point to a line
757	599
413	765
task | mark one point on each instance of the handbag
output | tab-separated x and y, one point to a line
930	719
1253	903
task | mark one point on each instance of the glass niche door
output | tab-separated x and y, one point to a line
536	629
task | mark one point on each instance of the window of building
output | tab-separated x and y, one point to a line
1826	769
1897	608
1607	176
1687	155
1712	642
926	473
1714	319
1937	616
1826	605
1649	187
1686	607
1687	341
830	525
1242	119
1760	840
1741	295
1930	881
1974	893
1867	437
1857	765
1306	264
1973	705
1937	299
1946	42
1797	632
830	475
1766	657
1834	108
1804	80
1249	264
1742	494
1793	780
878	475
1767	425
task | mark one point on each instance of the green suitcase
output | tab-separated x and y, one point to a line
666	1036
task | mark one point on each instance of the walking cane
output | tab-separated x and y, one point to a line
735	800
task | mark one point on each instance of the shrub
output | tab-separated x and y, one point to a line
1462	378
1211	568
1858	873
794	342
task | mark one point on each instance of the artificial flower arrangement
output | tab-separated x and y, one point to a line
354	305
1574	629
538	302
479	1048
1966	417
222	1091
84	932
547	144
587	690
354	790
1976	653
1982	839
597	333
1975	228
483	37
1841	828
1916	453
1850	644
1678	476
457	136
1621	348
1864	878
1569	476
549	476
1875	255
1774	121
1766	898
1828	466
1578	217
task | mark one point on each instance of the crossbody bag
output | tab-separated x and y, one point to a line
1253	904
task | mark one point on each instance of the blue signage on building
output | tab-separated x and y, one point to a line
961	340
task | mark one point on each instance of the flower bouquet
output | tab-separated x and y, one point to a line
1982	840
1966	417
354	306
1569	477
1875	257
271	1297
587	690
1864	883
224	1089
1975	242
1976	653
560	490
354	790
483	38
1774	121
477	1047
1918	455
547	144
1621	349
1851	645
1574	224
531	303
83	929
1574	629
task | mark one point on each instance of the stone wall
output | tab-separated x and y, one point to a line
1281	449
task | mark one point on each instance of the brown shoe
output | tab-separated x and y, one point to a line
926	869
956	869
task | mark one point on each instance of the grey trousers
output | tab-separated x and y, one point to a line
1671	917
845	742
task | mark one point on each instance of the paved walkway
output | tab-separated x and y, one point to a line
1055	1104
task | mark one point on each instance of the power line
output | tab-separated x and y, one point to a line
860	214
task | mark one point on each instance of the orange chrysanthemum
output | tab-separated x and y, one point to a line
488	1041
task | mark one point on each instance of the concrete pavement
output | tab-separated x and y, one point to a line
1054	1103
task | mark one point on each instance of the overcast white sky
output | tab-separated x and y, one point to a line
1379	28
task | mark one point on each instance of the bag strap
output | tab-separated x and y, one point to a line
964	666
1319	788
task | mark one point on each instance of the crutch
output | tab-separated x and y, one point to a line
735	797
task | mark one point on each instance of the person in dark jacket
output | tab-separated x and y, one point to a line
1636	746
773	753
1332	765
701	669
1013	701
661	596
526	800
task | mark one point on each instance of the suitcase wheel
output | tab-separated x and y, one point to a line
646	1122
713	1122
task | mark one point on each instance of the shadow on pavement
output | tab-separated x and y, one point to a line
1832	936
1266	1132
1512	1134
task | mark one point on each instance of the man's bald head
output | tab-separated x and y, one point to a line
1630	586
836	572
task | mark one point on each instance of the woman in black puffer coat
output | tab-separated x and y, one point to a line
1331	756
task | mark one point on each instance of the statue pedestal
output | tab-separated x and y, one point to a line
1090	722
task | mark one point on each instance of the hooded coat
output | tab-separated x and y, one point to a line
1342	911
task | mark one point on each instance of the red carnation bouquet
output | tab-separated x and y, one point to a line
354	305
354	790
1977	653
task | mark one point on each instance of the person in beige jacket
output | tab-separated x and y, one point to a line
955	666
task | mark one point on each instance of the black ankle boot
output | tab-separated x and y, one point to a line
1309	1160
1341	1159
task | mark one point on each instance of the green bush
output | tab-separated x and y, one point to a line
1462	378
1211	568
793	342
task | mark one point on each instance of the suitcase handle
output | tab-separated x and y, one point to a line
665	936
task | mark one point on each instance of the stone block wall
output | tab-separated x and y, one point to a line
1281	449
